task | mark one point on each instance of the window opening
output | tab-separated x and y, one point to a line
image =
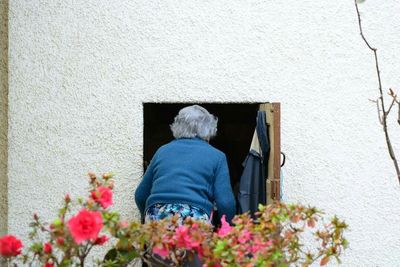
236	124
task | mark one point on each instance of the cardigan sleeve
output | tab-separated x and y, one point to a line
144	189
223	194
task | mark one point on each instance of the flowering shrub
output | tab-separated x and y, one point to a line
274	238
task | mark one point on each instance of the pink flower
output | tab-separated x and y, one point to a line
184	239
10	246
123	224
101	240
47	248
86	225
245	236
199	251
103	196
161	251
240	254
259	245
225	227
182	236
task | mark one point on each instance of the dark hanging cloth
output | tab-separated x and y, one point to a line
252	189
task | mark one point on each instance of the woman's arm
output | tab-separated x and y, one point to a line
223	191
144	189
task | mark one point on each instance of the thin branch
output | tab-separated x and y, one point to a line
360	27
384	118
394	99
391	105
398	114
378	111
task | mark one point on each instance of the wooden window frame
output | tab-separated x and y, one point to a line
273	120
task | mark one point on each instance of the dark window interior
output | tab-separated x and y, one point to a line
236	124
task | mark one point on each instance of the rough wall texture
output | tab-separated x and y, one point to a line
3	113
79	72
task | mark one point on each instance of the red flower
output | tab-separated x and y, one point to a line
103	196
10	246
47	248
86	225
49	264
101	240
60	241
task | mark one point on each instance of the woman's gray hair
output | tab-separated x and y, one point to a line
194	121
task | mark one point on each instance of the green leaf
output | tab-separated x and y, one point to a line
62	211
111	254
219	248
345	243
123	243
261	207
119	257
66	263
110	263
130	255
37	247
276	255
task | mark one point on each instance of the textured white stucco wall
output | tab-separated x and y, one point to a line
80	70
3	114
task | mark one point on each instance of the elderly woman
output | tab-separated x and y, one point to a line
187	176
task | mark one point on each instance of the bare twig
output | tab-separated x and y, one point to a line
378	110
391	105
398	114
382	102
394	99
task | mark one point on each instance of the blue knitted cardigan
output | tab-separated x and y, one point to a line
187	171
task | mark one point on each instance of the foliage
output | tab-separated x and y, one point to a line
275	238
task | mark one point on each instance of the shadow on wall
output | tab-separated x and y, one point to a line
3	113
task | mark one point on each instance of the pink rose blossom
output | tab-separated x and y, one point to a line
10	246
103	196
86	225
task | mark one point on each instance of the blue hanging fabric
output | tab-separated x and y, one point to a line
252	188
